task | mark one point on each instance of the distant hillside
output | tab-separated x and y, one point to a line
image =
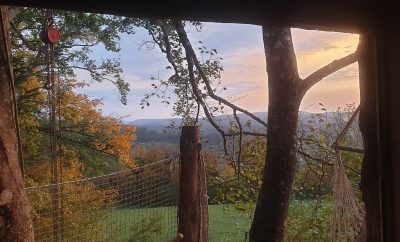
156	130
161	124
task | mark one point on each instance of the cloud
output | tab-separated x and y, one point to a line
246	78
255	100
347	73
244	70
332	95
314	49
244	75
104	86
232	35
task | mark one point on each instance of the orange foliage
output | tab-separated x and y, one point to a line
82	126
108	134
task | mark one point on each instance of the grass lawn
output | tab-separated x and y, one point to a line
140	224
159	224
226	224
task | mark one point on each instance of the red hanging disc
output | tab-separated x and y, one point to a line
53	35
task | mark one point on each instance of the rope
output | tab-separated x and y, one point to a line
348	214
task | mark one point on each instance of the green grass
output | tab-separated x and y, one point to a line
159	224
226	224
139	224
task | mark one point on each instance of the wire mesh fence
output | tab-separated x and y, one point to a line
132	205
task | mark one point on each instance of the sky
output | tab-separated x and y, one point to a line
244	75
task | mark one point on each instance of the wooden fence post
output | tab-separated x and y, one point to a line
193	207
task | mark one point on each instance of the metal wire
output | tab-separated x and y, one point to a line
132	205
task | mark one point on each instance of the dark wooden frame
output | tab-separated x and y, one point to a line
376	20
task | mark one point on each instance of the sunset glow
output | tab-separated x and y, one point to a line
244	75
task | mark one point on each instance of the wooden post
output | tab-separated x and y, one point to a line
192	192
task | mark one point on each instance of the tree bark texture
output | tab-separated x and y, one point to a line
203	201
193	213
15	219
285	96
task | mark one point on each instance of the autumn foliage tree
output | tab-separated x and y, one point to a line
100	143
86	136
89	143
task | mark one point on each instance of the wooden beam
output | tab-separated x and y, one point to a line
341	15
388	62
370	173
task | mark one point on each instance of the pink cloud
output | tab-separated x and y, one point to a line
246	79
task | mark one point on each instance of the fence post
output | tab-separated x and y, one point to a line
193	207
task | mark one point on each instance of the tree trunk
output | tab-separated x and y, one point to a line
285	96
15	220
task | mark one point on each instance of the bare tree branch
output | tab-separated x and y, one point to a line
79	45
325	71
191	54
247	133
351	149
301	152
14	11
24	41
240	140
200	100
346	127
29	93
167	50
